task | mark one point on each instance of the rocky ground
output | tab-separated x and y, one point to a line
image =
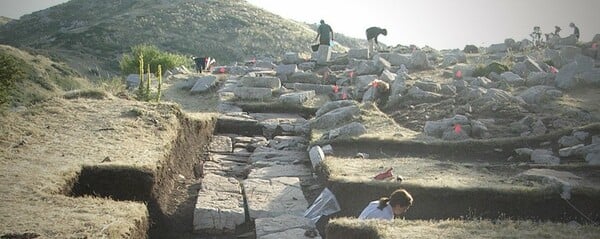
246	151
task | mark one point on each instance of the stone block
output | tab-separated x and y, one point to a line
317	88
204	84
260	82
252	93
297	98
316	156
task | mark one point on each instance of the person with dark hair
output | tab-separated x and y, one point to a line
372	34
575	30
387	208
324	34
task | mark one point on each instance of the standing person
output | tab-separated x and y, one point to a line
324	34
386	208
372	34
575	30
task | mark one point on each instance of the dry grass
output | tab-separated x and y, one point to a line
44	148
467	229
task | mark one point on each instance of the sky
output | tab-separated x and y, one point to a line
441	24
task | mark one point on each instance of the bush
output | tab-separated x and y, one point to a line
10	72
152	55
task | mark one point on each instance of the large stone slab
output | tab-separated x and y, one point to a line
292	233
335	117
276	171
260	82
252	93
358	53
219	206
288	142
264	156
204	84
297	98
274	197
276	225
317	88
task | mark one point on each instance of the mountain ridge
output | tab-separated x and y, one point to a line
97	33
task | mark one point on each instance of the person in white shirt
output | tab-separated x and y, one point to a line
386	208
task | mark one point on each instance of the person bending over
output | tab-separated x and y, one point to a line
372	34
386	208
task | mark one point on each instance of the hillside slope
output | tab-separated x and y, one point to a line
88	33
40	78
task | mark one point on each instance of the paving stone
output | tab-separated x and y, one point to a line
274	197
266	154
276	171
267	226
218	212
221	144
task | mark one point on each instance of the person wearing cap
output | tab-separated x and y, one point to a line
575	30
324	34
372	34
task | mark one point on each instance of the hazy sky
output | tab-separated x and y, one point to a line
438	23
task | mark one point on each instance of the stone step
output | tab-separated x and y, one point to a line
265	156
275	227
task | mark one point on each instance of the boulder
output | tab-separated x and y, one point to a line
304	77
332	105
419	61
367	68
497	48
349	130
335	117
387	76
540	94
395	59
512	79
428	86
421	96
542	156
437	128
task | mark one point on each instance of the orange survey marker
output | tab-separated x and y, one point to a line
384	175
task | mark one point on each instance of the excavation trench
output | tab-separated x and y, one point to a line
170	201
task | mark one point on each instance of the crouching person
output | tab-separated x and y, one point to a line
387	208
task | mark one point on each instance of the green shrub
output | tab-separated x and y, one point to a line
492	67
152	55
10	73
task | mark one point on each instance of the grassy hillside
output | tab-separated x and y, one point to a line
89	33
37	78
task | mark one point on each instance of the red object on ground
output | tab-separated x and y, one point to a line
457	128
375	84
553	69
222	70
344	96
459	74
351	74
336	88
384	175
